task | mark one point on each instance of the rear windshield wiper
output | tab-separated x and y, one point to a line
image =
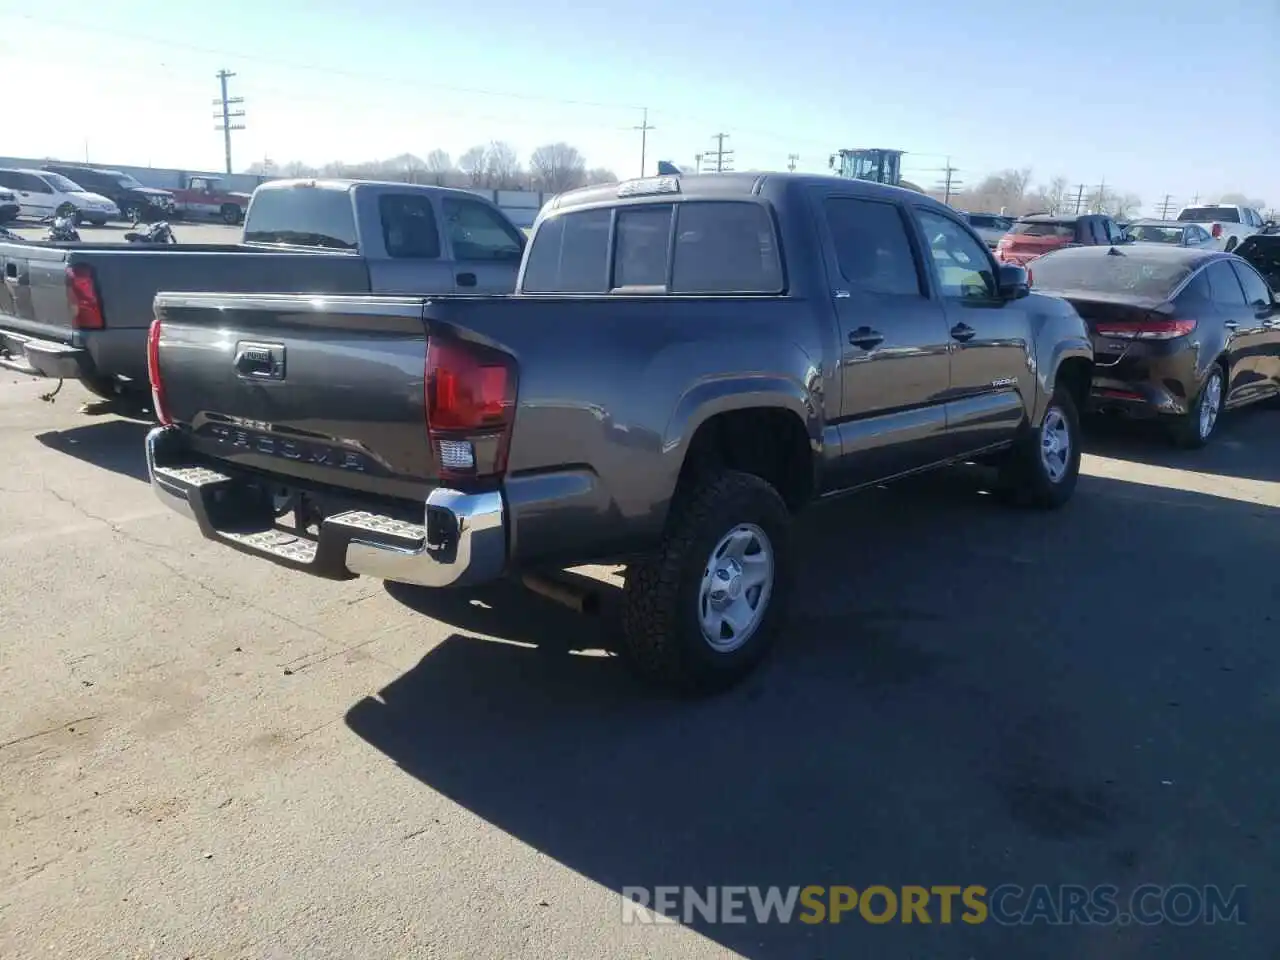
299	238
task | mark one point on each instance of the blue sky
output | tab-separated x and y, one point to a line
1149	94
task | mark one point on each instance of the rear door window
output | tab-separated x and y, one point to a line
725	247
1225	286
409	229
1063	230
1256	291
871	246
570	254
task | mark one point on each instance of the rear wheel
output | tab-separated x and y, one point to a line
705	610
231	214
1195	428
1043	467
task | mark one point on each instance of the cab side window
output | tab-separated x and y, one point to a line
964	269
871	246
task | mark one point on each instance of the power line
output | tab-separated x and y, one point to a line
722	155
227	115
644	129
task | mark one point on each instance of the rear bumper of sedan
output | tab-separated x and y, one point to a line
1144	379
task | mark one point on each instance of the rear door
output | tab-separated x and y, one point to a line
1245	332
1260	300
989	338
36	197
486	248
893	334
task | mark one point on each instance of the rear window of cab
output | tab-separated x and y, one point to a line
688	247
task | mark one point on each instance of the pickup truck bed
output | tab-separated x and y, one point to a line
735	347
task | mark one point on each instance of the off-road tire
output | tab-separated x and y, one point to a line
1024	479
662	639
1184	430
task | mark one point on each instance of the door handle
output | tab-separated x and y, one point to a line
466	279
962	332
866	338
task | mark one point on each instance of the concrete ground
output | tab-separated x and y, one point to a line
193	232
203	755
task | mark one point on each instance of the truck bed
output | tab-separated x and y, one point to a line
34	302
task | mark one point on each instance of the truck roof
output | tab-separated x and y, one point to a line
340	183
727	185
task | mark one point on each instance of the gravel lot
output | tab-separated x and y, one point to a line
195	232
202	755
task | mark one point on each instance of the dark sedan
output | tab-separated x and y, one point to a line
1178	333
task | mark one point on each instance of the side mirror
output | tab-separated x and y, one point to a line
1012	282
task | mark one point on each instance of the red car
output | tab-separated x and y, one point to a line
204	197
1040	233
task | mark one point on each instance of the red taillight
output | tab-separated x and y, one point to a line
1153	329
470	407
1029	277
158	406
82	297
1217	230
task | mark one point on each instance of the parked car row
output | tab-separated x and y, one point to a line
667	370
97	196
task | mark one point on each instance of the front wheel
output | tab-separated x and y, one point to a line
704	611
1043	467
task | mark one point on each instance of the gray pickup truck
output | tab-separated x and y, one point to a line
687	362
81	311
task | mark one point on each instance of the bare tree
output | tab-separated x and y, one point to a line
557	167
600	175
1123	206
502	166
473	164
1054	195
438	162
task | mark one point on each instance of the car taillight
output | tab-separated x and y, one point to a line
1160	328
1217	230
158	405
470	407
1029	277
82	298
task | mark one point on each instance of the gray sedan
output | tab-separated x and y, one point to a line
1169	232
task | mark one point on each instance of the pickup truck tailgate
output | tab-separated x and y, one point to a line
328	391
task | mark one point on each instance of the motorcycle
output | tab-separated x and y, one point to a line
63	229
158	232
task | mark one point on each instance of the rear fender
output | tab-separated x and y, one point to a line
1059	335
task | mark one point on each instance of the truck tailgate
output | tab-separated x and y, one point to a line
33	295
326	390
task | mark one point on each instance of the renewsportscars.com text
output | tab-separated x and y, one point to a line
1007	904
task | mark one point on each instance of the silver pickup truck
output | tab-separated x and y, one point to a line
81	310
686	363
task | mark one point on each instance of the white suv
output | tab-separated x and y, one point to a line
42	194
1226	223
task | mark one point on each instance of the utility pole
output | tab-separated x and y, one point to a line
722	155
1102	196
1165	206
1195	199
949	181
697	160
1079	197
227	115
644	129
791	161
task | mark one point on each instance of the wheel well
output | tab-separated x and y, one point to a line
1075	375
768	442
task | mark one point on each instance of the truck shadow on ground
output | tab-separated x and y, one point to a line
116	445
962	698
1245	447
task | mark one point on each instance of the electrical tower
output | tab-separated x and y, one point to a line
949	181
723	157
644	129
227	115
791	161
